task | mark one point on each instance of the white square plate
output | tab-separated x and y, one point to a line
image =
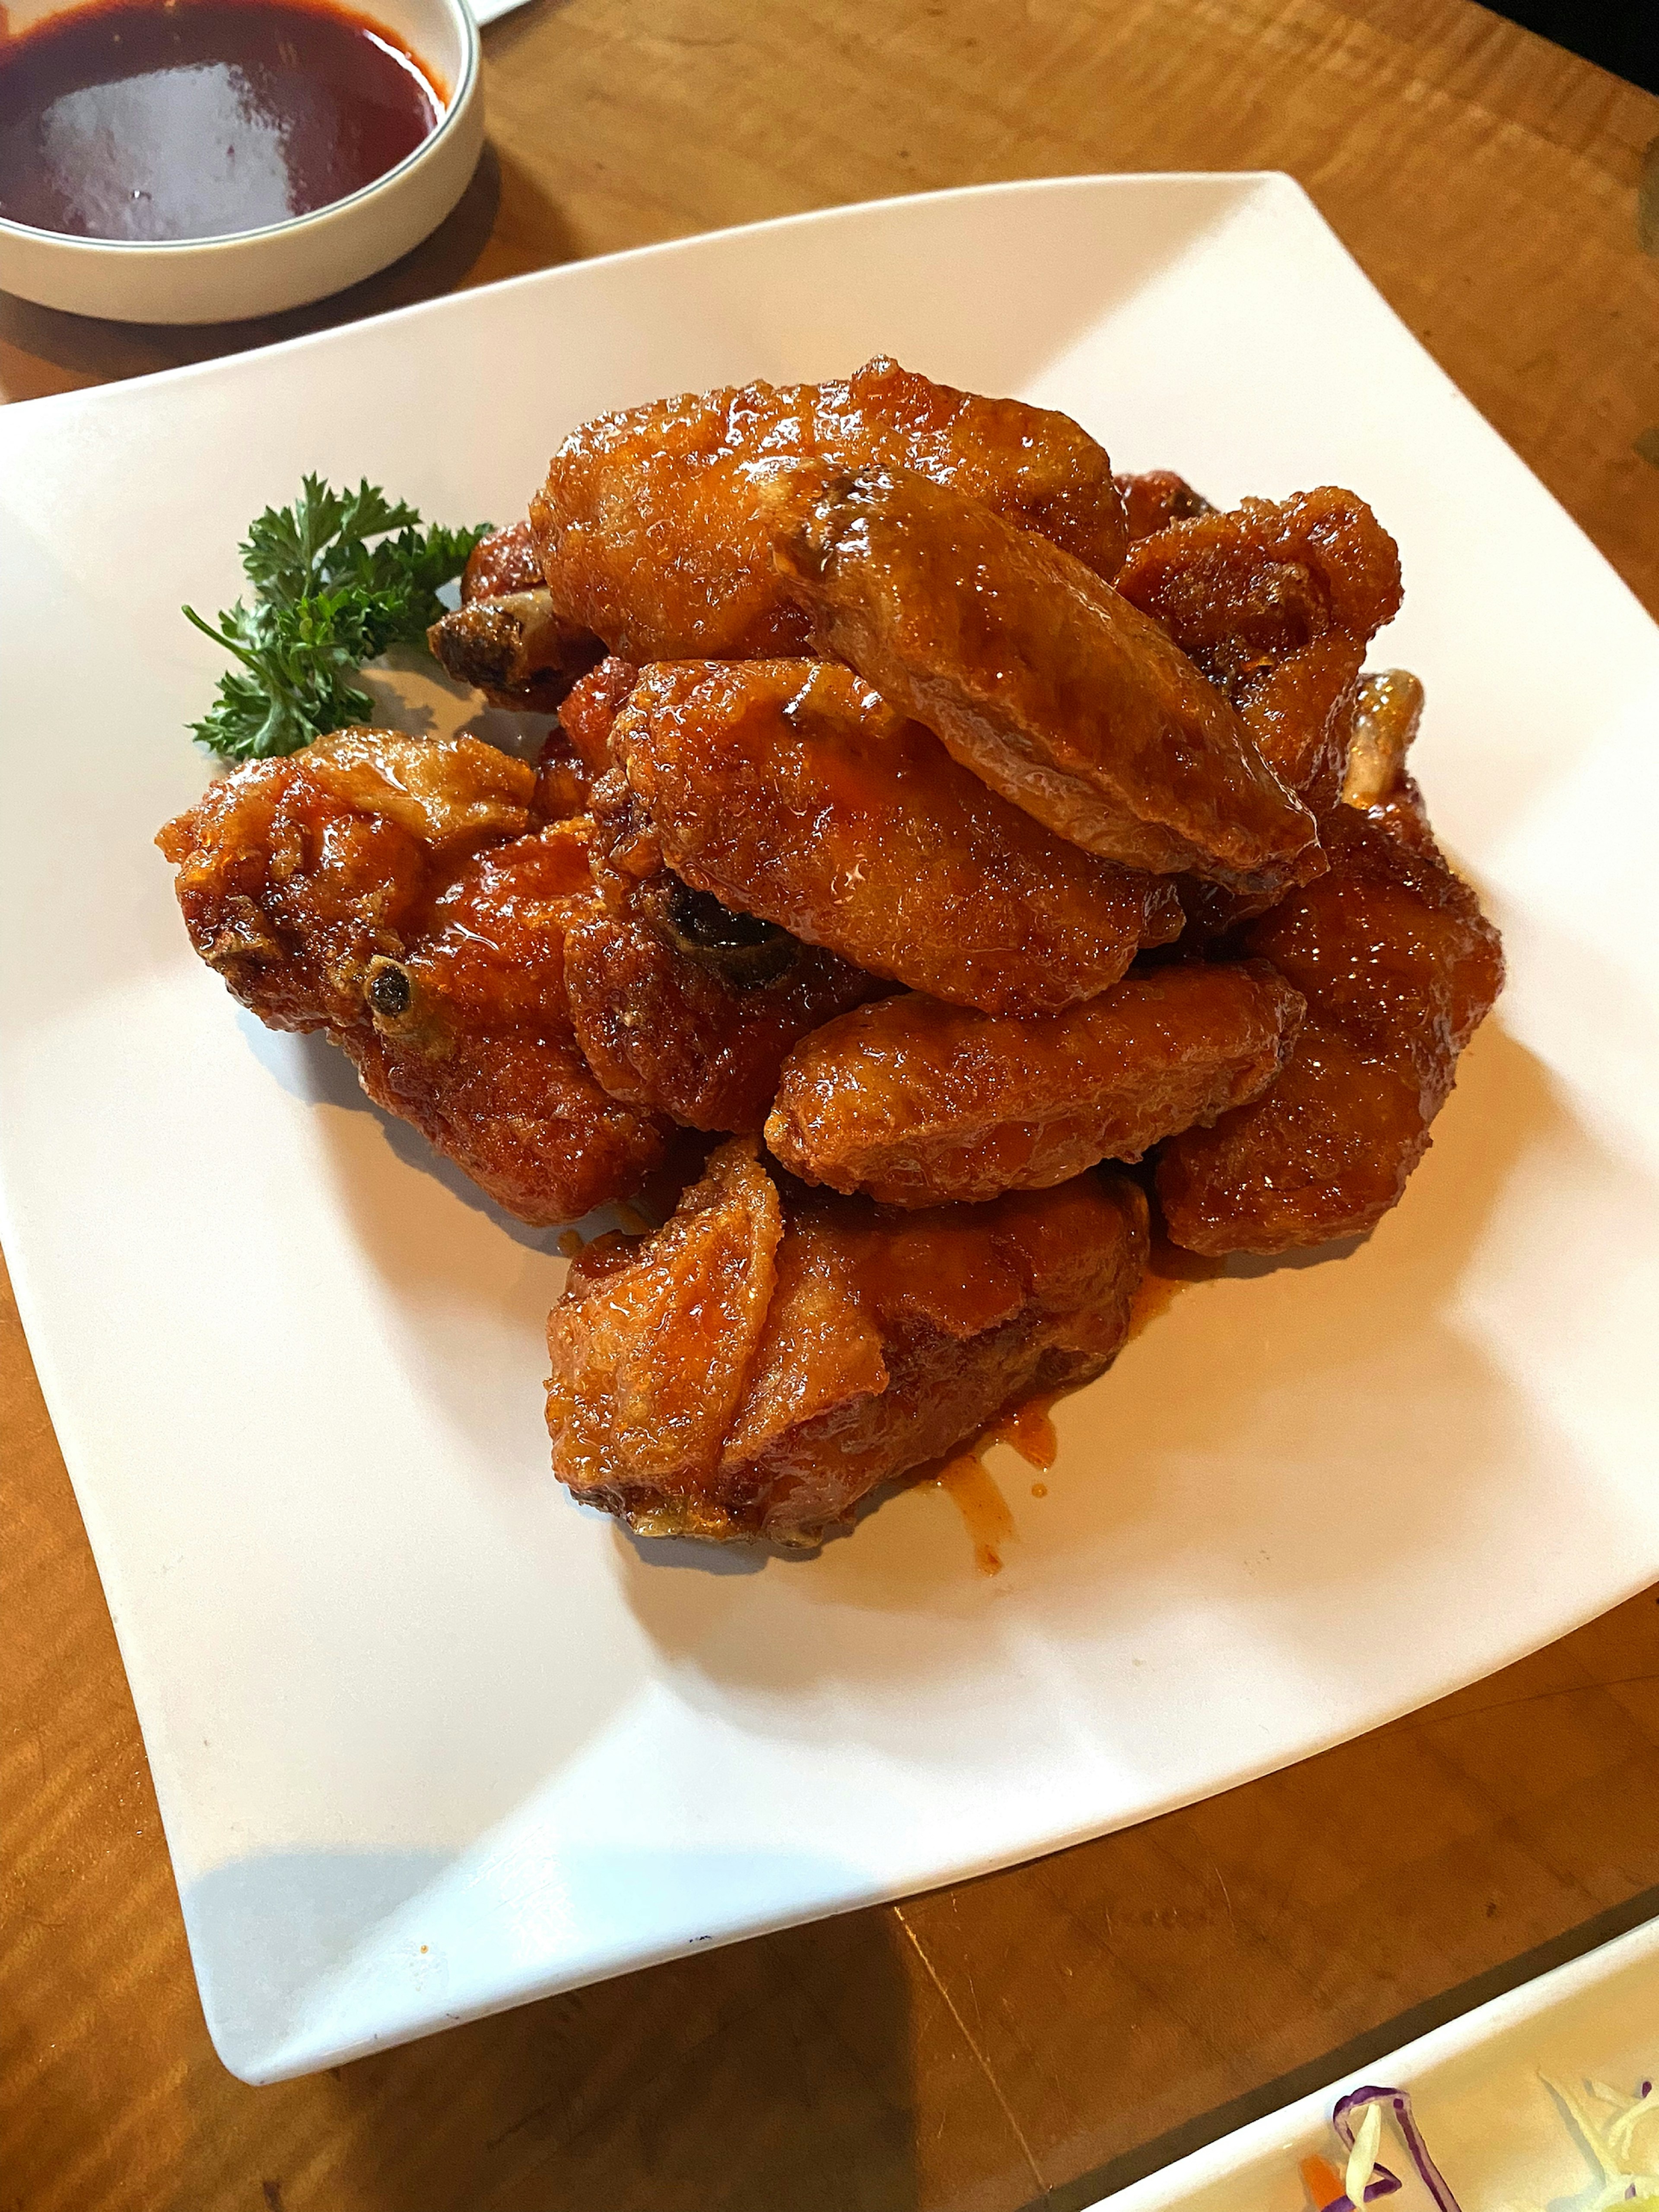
428	1739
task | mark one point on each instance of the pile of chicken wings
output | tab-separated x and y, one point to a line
931	816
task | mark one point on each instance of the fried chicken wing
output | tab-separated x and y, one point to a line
652	1344
506	560
515	649
650	529
1276	602
1399	968
787	790
1052	689
577	749
1156	498
721	1379
392	891
683	1005
504	639
920	1104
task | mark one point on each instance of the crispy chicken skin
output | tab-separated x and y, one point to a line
679	1003
919	1103
1156	498
652	1344
789	791
1052	689
1399	968
576	750
650	529
1276	602
506	560
586	716
761	1363
398	893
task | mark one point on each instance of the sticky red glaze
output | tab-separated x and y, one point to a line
195	119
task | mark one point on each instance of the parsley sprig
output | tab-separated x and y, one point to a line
336	578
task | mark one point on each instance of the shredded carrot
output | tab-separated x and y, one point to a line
1322	2182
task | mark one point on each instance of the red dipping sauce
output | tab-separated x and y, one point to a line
153	119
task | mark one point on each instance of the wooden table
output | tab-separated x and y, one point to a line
1044	2035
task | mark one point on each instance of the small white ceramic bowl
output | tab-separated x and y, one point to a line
260	272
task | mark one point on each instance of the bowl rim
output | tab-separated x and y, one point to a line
471	60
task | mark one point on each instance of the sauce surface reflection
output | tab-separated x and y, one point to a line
200	119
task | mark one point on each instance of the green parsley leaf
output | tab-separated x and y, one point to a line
337	578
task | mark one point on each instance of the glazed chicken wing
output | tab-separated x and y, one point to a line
788	791
681	1005
755	1368
650	528
1399	968
577	749
920	1104
506	560
1156	498
397	893
1052	689
1276	602
504	639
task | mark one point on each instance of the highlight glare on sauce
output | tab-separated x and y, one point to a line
156	119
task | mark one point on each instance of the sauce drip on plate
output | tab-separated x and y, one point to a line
984	1508
154	119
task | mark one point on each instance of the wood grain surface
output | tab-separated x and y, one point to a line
1041	2036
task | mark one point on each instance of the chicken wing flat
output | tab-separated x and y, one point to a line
1156	498
1399	967
681	1005
919	1103
755	1368
1276	602
396	892
1052	689
787	790
650	528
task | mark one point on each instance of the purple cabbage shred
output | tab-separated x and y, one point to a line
1342	2119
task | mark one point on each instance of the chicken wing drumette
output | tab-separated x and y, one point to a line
769	1356
400	894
